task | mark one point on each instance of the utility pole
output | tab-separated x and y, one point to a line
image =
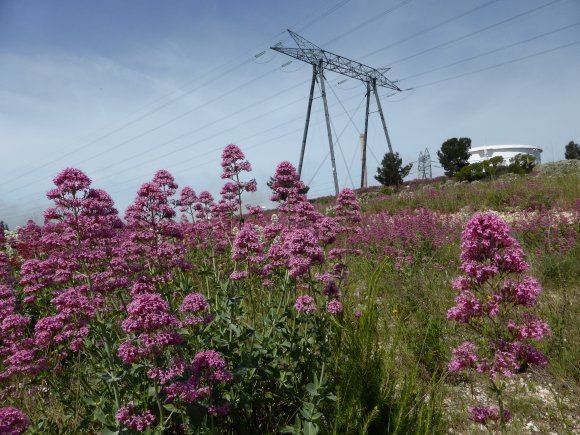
328	128
424	165
363	160
312	83
363	176
322	60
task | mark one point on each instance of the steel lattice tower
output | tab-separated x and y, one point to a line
320	60
424	165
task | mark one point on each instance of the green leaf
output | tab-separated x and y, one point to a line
100	416
332	397
312	390
310	428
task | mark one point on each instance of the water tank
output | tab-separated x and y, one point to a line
506	151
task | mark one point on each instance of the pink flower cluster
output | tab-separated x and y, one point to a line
85	282
196	309
233	164
404	234
127	416
493	291
483	415
206	369
153	326
305	304
13	421
296	239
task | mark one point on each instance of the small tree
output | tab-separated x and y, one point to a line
391	172
572	151
480	170
454	154
522	164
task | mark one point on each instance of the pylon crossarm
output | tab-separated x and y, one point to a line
314	55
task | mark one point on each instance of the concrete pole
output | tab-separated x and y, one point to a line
363	160
363	176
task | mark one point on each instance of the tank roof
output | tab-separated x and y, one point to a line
505	147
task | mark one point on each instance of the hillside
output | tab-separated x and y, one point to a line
417	311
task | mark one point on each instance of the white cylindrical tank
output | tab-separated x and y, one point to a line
486	152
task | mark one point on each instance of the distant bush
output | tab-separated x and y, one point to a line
522	164
491	168
480	170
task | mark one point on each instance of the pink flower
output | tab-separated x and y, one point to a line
239	275
504	363
207	368
533	328
334	306
302	251
233	161
481	414
13	421
7	301
524	292
221	409
148	312
286	184
127	416
247	246
468	306
347	208
305	304
194	303
464	357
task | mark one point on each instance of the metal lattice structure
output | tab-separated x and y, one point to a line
321	60
424	165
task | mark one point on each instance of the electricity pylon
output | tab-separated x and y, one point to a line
424	165
320	60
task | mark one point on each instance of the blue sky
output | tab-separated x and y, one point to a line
121	89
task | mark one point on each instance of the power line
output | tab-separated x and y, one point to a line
182	95
217	121
468	35
368	21
491	51
258	117
429	29
239	140
210	137
129	123
164	124
497	65
560	47
325	14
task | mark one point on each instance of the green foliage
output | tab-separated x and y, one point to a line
472	172
522	164
380	386
480	170
392	172
454	154
572	151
